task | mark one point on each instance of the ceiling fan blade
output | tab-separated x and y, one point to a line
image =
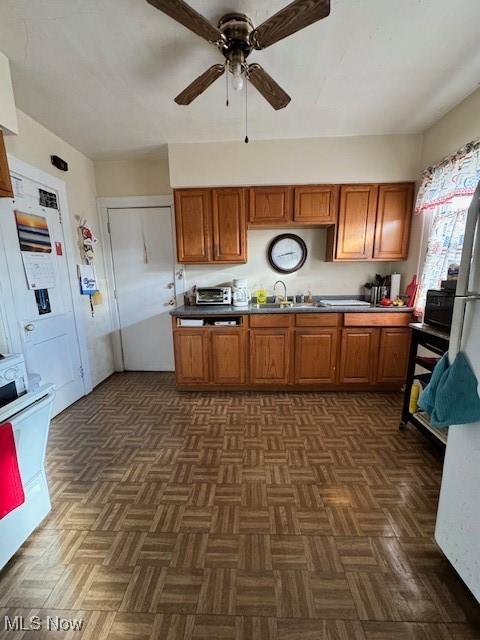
266	85
294	17
200	84
186	15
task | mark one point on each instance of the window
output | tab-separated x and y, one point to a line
446	193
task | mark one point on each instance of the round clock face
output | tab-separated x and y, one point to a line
287	253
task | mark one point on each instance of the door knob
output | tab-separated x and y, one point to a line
170	285
172	302
29	327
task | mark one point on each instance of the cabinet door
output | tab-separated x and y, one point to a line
228	356
315	356
393	357
358	357
316	204
5	182
270	205
269	356
392	229
191	356
356	222
229	225
193	225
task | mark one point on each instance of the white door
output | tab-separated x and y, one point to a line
46	321
144	268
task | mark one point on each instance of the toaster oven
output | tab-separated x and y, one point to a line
214	295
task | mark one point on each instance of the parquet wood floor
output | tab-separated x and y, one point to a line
242	516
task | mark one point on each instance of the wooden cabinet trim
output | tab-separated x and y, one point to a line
285	214
318	319
194	244
6	190
365	223
304	203
399	217
377	319
272	320
226	233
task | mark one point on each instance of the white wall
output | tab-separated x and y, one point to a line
8	114
34	145
322	160
132	177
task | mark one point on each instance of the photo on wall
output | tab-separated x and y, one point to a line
33	232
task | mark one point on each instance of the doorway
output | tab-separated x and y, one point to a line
143	274
43	323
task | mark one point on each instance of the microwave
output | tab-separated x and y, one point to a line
439	308
13	378
214	295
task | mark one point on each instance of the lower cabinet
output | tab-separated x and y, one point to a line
358	355
270	356
315	356
191	356
227	356
393	356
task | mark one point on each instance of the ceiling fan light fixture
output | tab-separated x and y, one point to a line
237	72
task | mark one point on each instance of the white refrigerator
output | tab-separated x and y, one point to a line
458	520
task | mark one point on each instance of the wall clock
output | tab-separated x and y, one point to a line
287	253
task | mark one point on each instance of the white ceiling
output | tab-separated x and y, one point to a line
102	74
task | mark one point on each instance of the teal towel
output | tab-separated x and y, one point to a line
452	396
427	399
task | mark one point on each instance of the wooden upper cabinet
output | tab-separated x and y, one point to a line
193	225
315	355
315	204
270	356
270	206
392	229
191	356
6	190
358	355
229	225
393	356
228	356
356	222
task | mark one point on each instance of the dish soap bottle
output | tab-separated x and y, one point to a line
261	295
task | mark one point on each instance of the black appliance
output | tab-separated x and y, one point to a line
439	308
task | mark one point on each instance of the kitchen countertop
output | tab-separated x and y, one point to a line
226	310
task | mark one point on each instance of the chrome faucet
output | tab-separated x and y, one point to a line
285	300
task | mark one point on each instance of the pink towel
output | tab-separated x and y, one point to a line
12	494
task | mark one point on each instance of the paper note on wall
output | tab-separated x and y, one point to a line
39	270
88	279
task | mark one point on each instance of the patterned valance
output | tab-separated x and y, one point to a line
456	176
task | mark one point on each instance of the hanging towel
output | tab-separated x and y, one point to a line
11	487
427	398
456	401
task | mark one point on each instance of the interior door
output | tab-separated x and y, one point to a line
46	320
144	267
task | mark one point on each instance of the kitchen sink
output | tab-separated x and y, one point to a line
278	305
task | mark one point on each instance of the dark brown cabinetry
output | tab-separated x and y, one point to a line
315	204
392	227
358	355
373	223
227	349
191	356
193	213
393	355
229	225
315	356
211	225
6	190
270	356
270	206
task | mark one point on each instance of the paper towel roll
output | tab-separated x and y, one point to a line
395	286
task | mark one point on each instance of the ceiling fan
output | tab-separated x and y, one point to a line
236	37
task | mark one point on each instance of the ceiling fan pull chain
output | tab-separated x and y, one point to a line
246	110
226	79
